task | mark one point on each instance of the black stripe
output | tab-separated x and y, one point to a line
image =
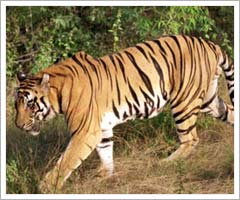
228	69
158	102
113	62
35	99
115	110
136	109
186	117
173	54
162	50
211	45
206	104
72	69
186	131
125	115
180	57
148	99
180	51
31	85
60	102
122	69
25	88
149	46
91	148
39	107
79	127
172	82
105	140
118	92
24	92
120	55
82	122
160	73
47	113
230	77
56	74
94	68
82	53
43	102
107	72
129	106
104	66
143	76
142	51
79	63
224	60
30	101
102	147
39	110
146	110
133	94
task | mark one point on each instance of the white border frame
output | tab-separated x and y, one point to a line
118	3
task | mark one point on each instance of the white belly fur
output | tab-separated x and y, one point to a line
109	119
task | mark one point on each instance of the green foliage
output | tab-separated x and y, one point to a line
205	122
17	180
166	123
36	36
116	28
223	17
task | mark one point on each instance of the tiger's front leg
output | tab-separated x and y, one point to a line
105	152
78	150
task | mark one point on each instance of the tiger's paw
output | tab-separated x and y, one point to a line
183	152
50	184
105	172
45	188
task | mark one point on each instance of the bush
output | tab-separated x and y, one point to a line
36	36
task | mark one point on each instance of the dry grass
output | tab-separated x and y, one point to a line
139	148
208	170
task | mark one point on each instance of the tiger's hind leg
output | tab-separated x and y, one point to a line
105	152
215	106
185	112
220	110
187	133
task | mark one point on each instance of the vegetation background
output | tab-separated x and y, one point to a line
38	36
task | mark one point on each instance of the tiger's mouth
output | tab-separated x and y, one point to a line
34	129
34	133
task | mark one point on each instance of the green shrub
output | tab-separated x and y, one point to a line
17	179
36	36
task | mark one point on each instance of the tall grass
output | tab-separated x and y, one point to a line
139	147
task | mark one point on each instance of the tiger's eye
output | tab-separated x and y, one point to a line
30	105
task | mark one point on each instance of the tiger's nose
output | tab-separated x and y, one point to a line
20	124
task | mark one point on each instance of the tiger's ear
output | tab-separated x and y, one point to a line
20	77
45	82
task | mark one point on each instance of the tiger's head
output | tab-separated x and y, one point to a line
31	102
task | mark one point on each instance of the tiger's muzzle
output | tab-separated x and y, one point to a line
32	127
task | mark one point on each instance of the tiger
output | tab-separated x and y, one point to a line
96	94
